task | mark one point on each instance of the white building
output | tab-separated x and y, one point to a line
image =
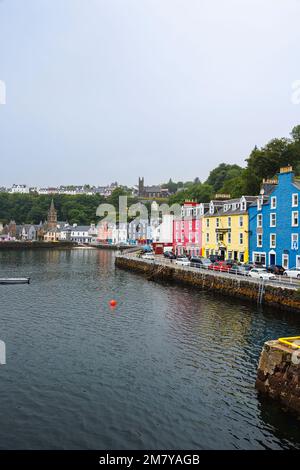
119	234
19	188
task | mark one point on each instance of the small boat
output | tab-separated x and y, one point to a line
15	280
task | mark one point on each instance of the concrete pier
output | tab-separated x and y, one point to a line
278	375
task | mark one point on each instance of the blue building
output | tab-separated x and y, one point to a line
274	222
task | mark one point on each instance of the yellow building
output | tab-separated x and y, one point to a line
52	235
225	229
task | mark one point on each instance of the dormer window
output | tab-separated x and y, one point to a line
243	204
211	208
259	204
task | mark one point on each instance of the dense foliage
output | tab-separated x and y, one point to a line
262	163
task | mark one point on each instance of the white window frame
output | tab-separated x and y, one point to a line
295	203
293	219
273	202
259	245
259	254
207	223
273	214
241	238
259	220
229	221
285	257
207	238
229	238
272	235
217	222
296	236
241	221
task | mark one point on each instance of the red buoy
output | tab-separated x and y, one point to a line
113	303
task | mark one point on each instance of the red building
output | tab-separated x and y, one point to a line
187	230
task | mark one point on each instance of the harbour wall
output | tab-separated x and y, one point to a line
278	375
221	283
36	245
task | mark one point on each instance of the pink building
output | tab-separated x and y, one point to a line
104	232
187	230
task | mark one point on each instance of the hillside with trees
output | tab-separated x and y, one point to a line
226	178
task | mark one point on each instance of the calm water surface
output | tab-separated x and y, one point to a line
169	368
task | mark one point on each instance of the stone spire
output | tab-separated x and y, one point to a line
52	217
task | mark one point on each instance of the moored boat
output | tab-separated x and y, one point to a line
15	280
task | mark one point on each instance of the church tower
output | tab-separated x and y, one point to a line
141	186
52	217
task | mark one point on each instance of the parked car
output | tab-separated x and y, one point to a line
149	256
183	261
276	269
214	258
293	272
240	269
219	266
200	261
169	255
261	273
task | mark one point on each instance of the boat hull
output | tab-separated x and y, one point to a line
21	280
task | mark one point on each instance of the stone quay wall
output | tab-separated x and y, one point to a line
222	283
278	375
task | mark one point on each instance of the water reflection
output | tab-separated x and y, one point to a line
169	368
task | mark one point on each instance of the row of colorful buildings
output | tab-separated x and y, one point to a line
263	229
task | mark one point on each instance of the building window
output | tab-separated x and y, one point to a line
259	258
190	225
243	205
273	240
273	202
229	221
295	218
207	253
207	223
229	237
207	238
259	220
259	240
259	204
273	219
217	222
294	241
295	200
241	221
196	238
197	224
242	257
241	238
285	261
190	237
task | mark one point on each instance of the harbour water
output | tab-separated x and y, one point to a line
169	368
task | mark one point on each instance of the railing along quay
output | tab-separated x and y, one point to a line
280	281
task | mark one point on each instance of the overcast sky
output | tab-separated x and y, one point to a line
105	90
